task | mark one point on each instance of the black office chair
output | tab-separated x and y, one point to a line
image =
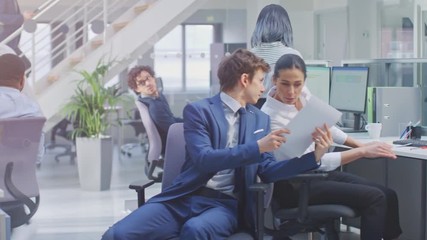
305	218
61	129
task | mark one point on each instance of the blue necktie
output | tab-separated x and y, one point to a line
239	172
242	125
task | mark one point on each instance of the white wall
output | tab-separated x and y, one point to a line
329	4
332	42
303	28
363	29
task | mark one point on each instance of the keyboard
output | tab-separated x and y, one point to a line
411	142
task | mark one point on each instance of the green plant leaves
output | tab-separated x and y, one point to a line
88	108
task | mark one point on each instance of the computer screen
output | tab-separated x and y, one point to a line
318	79
348	90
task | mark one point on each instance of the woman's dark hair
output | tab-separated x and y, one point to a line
273	25
135	71
290	61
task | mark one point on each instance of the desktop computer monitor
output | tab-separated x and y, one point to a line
318	79
348	91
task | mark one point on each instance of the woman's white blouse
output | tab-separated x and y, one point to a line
280	115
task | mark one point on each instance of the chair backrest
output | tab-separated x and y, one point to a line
174	154
155	148
19	146
159	83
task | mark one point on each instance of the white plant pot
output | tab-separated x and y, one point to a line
94	160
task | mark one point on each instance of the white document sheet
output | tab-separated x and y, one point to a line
314	114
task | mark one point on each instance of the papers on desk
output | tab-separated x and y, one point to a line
314	114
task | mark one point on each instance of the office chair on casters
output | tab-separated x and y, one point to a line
307	218
139	129
19	147
173	161
154	156
60	130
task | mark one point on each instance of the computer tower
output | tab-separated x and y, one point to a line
394	107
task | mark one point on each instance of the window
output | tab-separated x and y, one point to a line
168	59
198	39
182	58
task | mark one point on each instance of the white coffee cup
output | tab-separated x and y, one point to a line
374	130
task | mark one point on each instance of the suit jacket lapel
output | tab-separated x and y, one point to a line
218	114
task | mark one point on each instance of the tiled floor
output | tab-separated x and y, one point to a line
68	213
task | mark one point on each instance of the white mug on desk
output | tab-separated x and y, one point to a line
374	130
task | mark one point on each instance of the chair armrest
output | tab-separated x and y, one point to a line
152	166
139	187
260	189
304	189
309	176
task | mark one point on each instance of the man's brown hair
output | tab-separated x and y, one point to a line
239	62
135	71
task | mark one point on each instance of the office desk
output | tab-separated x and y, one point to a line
406	175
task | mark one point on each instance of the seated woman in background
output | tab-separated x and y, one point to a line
377	204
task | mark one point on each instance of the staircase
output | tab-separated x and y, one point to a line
133	27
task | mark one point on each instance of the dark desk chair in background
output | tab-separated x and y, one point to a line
61	129
19	147
136	123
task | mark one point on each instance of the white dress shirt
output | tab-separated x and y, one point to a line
281	114
14	104
224	180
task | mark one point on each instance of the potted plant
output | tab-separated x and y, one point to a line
88	110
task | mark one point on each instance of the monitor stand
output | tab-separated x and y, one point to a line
357	125
357	117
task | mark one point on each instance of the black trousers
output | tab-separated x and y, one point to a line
377	204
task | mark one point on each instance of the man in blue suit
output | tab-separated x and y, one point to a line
228	144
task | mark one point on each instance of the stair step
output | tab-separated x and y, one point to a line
118	26
96	43
52	78
75	59
140	8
